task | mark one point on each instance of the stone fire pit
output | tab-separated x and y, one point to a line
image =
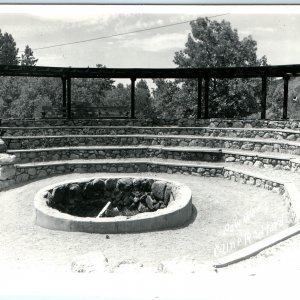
113	205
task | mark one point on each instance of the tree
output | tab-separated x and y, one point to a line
216	44
91	91
144	106
27	58
8	50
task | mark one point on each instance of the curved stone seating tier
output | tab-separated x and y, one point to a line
259	145
108	152
258	159
260	133
280	124
126	147
25	172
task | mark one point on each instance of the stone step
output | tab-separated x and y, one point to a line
103	152
261	133
234	123
271	179
258	159
256	144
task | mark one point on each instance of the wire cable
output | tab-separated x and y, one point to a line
120	34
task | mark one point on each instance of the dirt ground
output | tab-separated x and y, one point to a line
227	216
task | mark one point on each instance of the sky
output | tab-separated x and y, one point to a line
275	28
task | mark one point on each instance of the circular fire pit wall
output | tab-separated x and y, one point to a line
113	205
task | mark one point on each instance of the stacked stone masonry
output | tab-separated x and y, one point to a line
287	124
31	142
62	146
254	133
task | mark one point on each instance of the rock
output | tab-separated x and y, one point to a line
149	202
98	184
128	200
59	194
193	143
237	124
7	172
136	199
291	137
88	190
258	164
230	159
90	262
124	184
146	185
137	182
128	266
112	212
7	159
267	148
74	191
183	144
167	194
2	146
158	189
110	183
142	208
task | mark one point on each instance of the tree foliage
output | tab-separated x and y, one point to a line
8	50
216	44
27	58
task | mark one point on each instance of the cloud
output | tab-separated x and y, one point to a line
159	42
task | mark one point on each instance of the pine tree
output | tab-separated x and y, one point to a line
8	50
27	58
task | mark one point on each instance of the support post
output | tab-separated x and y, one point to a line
263	97
64	95
199	98
69	115
133	98
206	96
285	96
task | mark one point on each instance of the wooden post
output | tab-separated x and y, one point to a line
133	98
199	98
285	96
69	114
263	97
64	95
206	96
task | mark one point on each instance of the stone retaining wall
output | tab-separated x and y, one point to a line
109	153
121	140
247	123
23	174
255	133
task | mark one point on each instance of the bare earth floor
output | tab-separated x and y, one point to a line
227	216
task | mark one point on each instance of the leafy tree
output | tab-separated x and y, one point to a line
144	106
27	58
8	50
216	44
276	93
91	91
165	98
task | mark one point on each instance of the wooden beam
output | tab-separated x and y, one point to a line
69	105
132	97
263	97
229	72
285	96
199	107
64	95
206	96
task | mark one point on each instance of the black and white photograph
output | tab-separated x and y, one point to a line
149	151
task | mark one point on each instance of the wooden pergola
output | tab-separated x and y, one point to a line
199	74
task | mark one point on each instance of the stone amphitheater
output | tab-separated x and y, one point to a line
254	157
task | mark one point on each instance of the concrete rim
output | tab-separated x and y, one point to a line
177	213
